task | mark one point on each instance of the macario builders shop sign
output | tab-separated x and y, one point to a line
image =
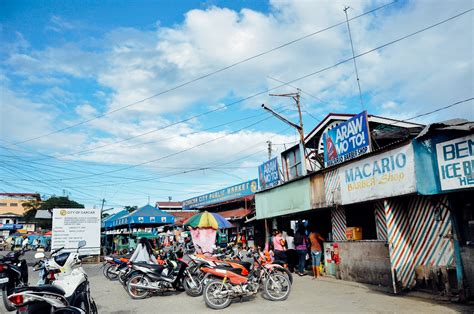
347	140
389	174
456	163
229	193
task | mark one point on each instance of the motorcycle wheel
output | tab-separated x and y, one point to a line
137	293
191	289
110	272
277	287
213	301
285	272
8	305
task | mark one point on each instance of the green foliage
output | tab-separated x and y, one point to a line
33	206
131	208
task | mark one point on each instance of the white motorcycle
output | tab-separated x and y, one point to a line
63	285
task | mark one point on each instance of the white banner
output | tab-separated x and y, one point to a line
389	174
71	225
456	163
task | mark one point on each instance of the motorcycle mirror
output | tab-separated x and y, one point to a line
39	255
81	244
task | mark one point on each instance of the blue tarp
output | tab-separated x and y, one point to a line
148	215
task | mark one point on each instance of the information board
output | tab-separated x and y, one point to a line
388	174
71	225
269	174
456	163
347	140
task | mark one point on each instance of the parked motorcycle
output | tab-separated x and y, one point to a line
227	284
42	299
146	279
62	275
13	274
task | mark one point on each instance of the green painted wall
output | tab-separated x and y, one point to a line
286	199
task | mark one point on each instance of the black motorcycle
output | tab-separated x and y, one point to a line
13	274
146	279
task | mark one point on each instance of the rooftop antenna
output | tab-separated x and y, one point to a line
353	56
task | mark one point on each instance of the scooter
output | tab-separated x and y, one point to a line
13	274
62	275
42	299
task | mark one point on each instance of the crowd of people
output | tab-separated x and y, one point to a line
295	248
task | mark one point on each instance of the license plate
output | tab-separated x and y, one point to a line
3	280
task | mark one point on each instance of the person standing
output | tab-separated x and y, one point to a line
316	252
144	253
279	247
290	250
301	246
24	244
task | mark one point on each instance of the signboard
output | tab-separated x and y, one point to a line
229	193
10	226
71	225
347	140
385	175
269	174
456	163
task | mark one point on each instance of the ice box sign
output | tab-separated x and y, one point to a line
347	140
455	163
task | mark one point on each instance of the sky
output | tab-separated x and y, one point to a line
135	102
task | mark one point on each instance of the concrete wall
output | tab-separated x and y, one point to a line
467	255
365	261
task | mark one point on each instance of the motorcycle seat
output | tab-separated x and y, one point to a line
247	265
44	288
155	267
228	268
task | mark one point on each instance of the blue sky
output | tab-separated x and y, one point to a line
63	63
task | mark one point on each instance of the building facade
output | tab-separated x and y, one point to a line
13	202
398	215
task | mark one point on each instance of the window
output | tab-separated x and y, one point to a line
3	204
14	204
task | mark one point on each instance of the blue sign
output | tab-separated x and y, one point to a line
229	193
347	140
10	226
269	174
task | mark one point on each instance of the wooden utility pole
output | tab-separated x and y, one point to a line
298	127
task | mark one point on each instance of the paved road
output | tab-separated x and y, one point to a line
307	296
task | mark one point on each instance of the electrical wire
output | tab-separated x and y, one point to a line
205	76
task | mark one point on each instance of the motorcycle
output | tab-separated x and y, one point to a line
42	299
62	275
13	274
113	266
227	284
145	279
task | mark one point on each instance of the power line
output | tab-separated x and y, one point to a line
204	76
354	59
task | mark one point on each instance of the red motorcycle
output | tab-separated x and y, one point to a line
227	283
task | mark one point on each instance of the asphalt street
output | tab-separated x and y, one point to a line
307	296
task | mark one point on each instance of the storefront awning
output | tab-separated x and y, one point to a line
235	213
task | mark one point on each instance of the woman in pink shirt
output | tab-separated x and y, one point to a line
279	247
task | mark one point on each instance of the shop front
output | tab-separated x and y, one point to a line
237	205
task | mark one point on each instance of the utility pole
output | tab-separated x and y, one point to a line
269	149
298	127
102	207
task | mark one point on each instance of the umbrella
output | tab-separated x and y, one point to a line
208	220
48	233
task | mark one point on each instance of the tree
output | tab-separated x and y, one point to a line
33	206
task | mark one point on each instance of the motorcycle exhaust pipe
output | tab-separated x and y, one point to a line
139	286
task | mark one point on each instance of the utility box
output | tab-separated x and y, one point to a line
354	233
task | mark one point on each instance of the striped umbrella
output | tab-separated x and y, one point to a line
208	220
